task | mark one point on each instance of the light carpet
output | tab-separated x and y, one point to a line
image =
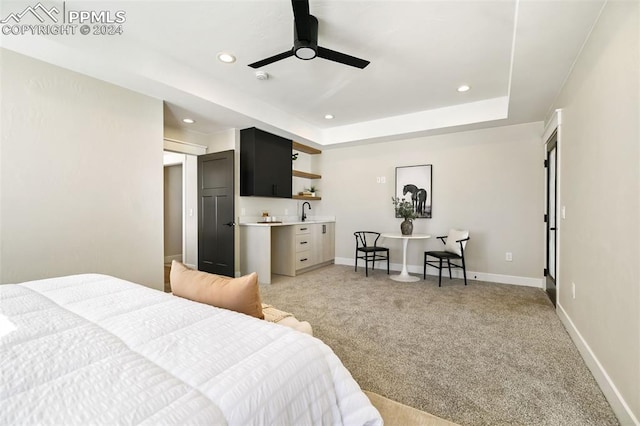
395	414
485	354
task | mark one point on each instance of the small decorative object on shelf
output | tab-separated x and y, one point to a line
405	210
308	194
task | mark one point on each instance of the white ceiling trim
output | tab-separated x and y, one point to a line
457	115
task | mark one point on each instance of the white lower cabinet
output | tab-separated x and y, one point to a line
298	248
325	242
305	246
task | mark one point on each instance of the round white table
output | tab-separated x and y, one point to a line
404	274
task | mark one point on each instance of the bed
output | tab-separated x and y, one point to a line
94	349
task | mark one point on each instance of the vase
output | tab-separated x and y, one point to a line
406	227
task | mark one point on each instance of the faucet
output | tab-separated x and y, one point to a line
304	216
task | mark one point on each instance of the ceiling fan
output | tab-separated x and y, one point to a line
305	41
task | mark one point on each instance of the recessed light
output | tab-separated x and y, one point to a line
188	120
463	88
225	57
329	116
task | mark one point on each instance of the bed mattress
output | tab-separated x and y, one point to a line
94	349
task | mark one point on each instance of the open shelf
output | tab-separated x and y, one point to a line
297	146
298	173
306	197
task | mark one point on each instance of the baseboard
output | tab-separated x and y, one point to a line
457	273
177	257
609	389
503	279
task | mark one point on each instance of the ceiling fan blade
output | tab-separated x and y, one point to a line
301	19
272	59
342	58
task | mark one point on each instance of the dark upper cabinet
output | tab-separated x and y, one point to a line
265	164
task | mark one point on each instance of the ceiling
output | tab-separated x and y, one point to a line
514	54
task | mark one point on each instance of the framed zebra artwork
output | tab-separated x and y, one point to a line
413	184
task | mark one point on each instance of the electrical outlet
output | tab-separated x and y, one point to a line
573	290
383	179
508	256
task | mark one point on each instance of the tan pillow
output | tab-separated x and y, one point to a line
236	294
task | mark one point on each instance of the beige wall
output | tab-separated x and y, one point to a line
488	181
600	181
173	211
81	176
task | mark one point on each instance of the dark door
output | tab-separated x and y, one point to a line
551	216
215	213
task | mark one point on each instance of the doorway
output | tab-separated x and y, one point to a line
551	164
173	188
173	213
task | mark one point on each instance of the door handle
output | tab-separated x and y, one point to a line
231	223
552	229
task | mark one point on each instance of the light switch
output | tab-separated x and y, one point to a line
564	212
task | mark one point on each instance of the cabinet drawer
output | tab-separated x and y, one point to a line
303	259
303	229
303	242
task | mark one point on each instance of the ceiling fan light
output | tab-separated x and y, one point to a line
305	53
188	120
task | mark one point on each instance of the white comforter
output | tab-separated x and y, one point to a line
93	349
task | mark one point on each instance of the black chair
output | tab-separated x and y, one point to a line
454	244
367	248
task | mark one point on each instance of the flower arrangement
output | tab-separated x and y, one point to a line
404	208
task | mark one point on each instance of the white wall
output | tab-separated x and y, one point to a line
488	181
81	176
600	180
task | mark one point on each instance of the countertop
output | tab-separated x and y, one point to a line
306	222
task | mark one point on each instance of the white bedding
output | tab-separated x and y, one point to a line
93	349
